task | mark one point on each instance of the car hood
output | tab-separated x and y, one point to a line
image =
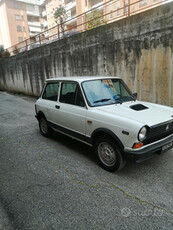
139	111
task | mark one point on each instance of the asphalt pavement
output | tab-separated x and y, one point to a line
55	183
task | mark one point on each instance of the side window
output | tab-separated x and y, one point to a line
117	87
120	89
68	93
71	94
51	92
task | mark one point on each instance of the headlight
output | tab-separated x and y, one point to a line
142	134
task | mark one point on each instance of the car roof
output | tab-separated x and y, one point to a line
80	78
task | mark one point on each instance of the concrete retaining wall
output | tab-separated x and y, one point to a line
138	48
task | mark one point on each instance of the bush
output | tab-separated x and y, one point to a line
95	19
4	53
16	50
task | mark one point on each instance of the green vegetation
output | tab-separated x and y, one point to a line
4	53
95	19
60	15
16	50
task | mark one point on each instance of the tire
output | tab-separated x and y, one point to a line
45	130
109	154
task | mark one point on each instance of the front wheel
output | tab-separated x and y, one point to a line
44	128
109	154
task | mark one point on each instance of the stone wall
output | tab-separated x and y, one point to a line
138	48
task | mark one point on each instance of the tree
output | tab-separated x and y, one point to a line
60	15
95	19
1	51
4	53
16	50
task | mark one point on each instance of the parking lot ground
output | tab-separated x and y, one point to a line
56	183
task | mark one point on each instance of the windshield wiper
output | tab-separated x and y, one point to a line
102	100
125	99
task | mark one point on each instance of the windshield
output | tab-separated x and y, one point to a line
106	92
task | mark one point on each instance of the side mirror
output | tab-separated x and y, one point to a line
135	95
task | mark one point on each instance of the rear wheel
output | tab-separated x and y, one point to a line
44	128
109	154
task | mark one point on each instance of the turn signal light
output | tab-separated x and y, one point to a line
137	145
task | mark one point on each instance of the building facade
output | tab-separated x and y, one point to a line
19	20
23	19
77	10
70	7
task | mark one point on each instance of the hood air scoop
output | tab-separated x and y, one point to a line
138	107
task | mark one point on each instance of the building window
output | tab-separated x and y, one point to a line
142	3
126	8
111	11
24	30
15	5
118	11
17	17
22	18
20	39
19	28
117	6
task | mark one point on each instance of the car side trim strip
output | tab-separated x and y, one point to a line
71	133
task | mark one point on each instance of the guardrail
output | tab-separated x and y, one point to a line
111	11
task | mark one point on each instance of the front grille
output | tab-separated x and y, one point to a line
158	132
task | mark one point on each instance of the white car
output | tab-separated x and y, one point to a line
102	112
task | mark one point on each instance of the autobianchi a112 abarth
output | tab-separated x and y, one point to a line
102	112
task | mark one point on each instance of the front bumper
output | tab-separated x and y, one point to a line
147	151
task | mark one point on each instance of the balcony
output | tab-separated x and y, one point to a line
32	34
71	16
36	24
95	4
68	1
44	14
33	13
70	5
34	29
45	24
70	20
33	2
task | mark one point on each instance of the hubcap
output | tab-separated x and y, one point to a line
106	154
43	125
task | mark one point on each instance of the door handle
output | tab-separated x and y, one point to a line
57	106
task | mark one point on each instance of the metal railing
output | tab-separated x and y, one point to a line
111	11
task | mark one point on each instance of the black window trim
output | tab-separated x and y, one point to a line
76	82
60	87
44	87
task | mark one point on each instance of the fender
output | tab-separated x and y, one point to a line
37	115
102	131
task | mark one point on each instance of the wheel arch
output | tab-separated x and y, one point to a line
106	132
40	114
